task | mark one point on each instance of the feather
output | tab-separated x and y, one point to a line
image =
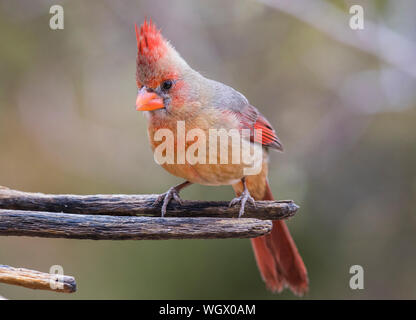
151	45
277	257
261	130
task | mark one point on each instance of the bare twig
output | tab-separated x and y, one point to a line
375	39
138	205
99	227
37	280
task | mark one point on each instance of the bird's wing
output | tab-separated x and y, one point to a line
234	103
250	118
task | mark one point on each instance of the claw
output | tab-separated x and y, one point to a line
245	196
159	199
166	198
177	198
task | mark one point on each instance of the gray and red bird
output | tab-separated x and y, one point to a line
169	90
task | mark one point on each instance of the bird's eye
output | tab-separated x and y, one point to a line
166	85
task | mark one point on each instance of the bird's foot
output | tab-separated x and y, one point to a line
245	196
166	198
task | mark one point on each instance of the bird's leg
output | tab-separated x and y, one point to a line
172	193
243	198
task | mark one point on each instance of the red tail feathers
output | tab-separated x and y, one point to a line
278	259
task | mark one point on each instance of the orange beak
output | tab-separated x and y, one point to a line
148	101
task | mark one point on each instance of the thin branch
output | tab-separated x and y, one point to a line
139	205
37	280
376	39
100	227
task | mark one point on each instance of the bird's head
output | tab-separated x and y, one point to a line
162	75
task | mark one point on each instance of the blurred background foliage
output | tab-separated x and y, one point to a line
347	119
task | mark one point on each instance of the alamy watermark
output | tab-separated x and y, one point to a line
357	18
212	146
56	282
357	280
56	22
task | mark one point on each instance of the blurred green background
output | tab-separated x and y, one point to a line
345	114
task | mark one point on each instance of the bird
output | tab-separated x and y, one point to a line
169	92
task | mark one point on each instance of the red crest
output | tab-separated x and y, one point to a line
151	45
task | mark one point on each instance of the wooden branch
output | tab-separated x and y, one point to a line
101	227
139	205
37	280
